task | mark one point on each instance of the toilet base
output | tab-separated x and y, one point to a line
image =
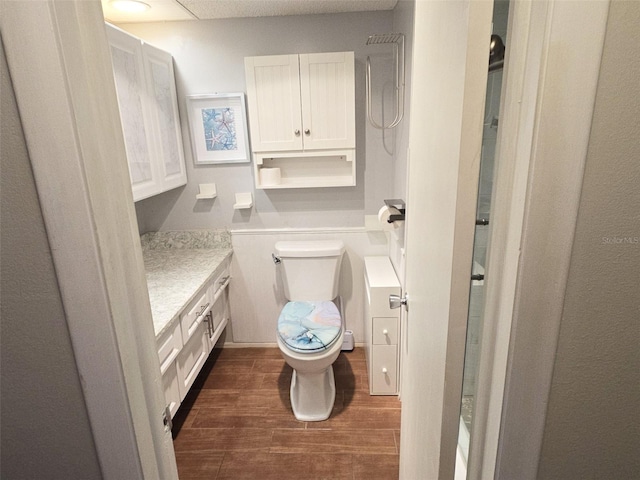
313	395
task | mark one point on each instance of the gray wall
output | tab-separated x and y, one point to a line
45	427
592	429
209	57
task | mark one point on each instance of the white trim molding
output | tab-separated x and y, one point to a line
61	70
551	75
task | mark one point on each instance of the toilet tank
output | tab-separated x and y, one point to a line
310	270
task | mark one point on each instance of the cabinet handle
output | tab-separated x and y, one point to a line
307	132
385	332
204	307
209	320
384	370
297	132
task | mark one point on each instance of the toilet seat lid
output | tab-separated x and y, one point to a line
309	326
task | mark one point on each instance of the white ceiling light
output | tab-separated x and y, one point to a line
130	6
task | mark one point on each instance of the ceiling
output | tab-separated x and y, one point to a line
175	10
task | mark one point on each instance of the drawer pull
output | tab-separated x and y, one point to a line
385	332
384	370
204	307
223	280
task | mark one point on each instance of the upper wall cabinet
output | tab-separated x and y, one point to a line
302	119
145	84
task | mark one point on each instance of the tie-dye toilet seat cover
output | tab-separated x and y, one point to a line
309	326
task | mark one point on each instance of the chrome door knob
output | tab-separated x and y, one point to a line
395	301
297	132
307	132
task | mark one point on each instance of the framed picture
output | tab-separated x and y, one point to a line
218	125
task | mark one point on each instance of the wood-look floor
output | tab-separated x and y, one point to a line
237	423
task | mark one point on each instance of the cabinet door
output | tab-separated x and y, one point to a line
171	387
161	86
328	100
191	359
128	70
273	93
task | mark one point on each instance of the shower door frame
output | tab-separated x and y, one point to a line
514	379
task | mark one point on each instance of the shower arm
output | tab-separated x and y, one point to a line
398	84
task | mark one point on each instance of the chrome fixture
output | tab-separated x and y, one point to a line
397	39
496	53
395	301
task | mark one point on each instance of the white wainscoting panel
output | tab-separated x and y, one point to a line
256	293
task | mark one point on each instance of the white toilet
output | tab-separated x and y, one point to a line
310	327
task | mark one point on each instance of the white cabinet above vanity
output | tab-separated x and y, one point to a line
302	119
146	89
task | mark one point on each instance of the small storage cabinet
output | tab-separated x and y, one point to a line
147	99
382	326
302	118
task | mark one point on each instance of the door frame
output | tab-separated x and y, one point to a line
61	71
551	74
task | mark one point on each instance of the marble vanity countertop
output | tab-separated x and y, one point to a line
174	276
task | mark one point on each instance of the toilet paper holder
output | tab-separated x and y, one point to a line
399	205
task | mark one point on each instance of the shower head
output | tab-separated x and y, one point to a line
381	38
496	53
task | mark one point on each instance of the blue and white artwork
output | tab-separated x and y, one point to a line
219	129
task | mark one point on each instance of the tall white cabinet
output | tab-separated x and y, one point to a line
302	118
145	84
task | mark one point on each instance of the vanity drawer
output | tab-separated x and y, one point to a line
384	370
169	345
194	314
220	281
385	331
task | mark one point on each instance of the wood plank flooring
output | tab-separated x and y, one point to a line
236	423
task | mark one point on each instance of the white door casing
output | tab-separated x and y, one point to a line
84	190
449	72
552	67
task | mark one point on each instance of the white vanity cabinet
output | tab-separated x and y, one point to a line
382	326
302	118
145	85
184	347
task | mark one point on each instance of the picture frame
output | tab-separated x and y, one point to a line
218	128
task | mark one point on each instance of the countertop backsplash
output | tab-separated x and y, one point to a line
191	239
